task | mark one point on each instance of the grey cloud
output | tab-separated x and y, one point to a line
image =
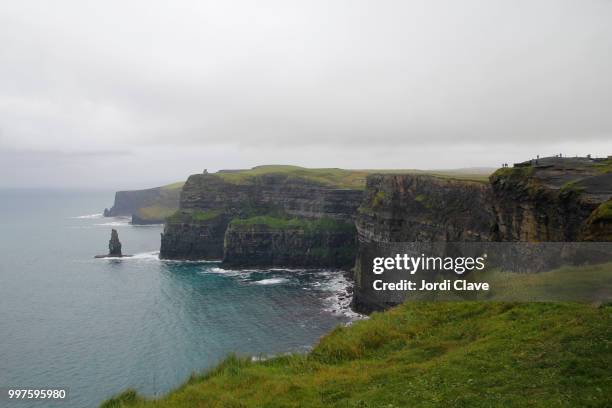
275	78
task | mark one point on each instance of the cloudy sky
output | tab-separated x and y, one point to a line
125	94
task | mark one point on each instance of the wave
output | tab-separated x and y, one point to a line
153	255
141	256
341	297
88	216
334	286
116	223
271	281
242	273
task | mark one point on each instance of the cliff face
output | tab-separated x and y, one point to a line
209	201
551	199
128	202
298	246
294	196
406	208
148	206
194	235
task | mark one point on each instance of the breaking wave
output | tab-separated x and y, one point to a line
88	216
271	281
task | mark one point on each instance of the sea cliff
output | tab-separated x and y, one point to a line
147	206
325	242
270	215
544	200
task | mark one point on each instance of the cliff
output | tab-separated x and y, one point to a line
546	200
284	194
406	208
147	206
278	242
552	199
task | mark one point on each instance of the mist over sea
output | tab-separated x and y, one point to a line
97	326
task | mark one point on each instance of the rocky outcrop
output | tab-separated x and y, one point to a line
292	246
210	201
114	247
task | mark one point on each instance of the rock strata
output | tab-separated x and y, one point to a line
209	202
545	200
297	246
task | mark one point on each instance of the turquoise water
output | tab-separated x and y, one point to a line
97	326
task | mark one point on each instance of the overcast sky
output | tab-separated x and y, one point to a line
128	94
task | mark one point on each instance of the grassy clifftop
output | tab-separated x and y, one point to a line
286	223
336	177
474	354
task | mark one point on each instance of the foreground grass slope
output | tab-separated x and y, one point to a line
463	354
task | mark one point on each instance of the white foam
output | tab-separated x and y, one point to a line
292	270
228	272
88	216
153	255
142	256
271	281
117	222
340	299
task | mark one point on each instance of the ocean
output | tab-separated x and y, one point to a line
98	326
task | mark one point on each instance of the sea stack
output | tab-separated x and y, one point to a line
114	245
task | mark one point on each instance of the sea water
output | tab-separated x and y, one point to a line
98	326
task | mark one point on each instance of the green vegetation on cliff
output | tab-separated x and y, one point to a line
155	212
173	186
461	354
604	166
183	216
282	223
165	205
603	212
335	177
331	177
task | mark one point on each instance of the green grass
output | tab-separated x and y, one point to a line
604	166
173	186
282	223
445	354
571	283
335	177
332	177
603	212
155	212
206	215
513	172
165	205
571	187
184	216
